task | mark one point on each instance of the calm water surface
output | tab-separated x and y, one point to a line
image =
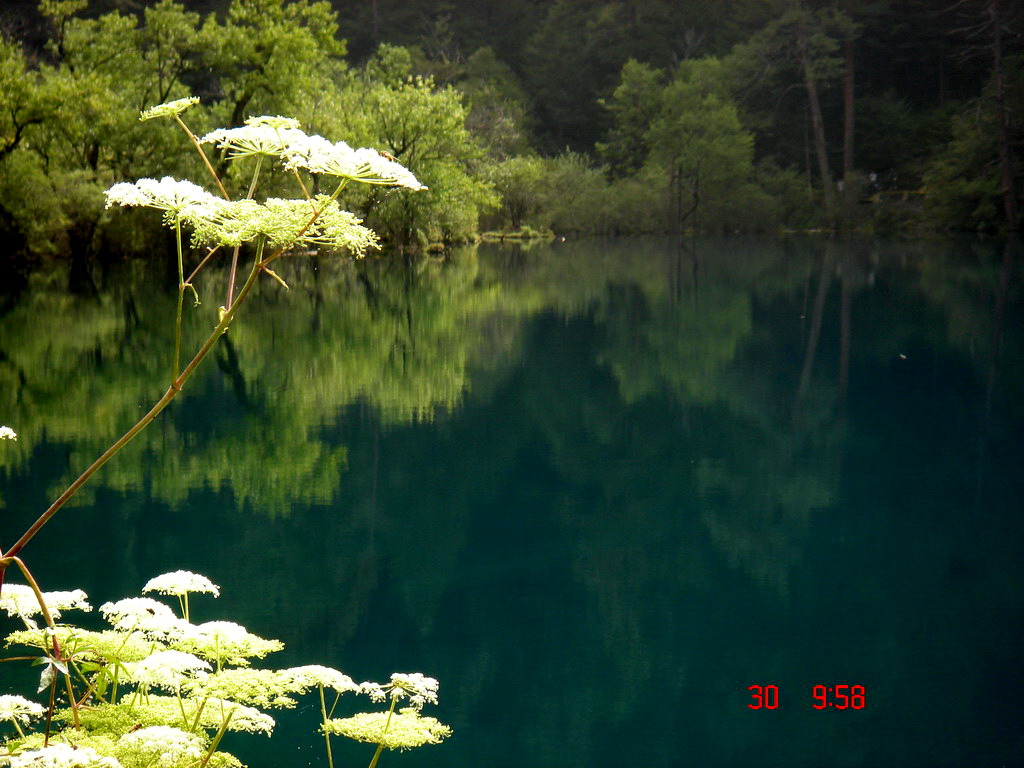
598	489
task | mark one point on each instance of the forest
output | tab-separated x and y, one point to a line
523	117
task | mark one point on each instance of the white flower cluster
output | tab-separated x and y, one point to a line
258	687
405	729
242	718
169	109
181	583
161	745
61	756
19	600
225	642
165	669
177	197
416	687
280	222
318	155
18	709
6	433
143	614
273	136
267	136
325	677
155	652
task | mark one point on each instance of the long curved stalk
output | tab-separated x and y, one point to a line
327	735
172	391
234	254
165	400
206	161
387	724
181	299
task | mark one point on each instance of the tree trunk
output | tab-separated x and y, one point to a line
1005	160
818	124
848	112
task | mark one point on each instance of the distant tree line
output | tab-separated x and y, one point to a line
572	116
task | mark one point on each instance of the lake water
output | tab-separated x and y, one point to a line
599	489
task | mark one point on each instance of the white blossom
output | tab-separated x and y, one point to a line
225	641
62	756
415	686
19	600
143	614
181	583
325	677
169	108
166	669
267	135
258	687
281	222
161	745
6	433
275	121
175	196
19	709
395	730
243	718
318	155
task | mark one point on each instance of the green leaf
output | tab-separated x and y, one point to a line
45	679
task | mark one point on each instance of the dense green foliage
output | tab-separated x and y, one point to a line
594	117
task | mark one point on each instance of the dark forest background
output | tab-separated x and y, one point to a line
533	116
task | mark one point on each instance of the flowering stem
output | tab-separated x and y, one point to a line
387	724
224	321
298	178
216	739
91	687
206	160
49	710
376	756
255	176
234	255
327	735
181	707
202	263
199	714
181	298
172	392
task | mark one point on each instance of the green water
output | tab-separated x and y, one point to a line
598	489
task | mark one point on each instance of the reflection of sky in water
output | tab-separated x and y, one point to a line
598	489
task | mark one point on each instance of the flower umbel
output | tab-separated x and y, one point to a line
160	745
19	600
281	222
267	136
258	687
169	108
165	669
6	433
62	756
418	688
175	196
143	614
318	155
225	642
394	730
17	709
315	675
181	583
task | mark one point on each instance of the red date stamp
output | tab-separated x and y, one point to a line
824	696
